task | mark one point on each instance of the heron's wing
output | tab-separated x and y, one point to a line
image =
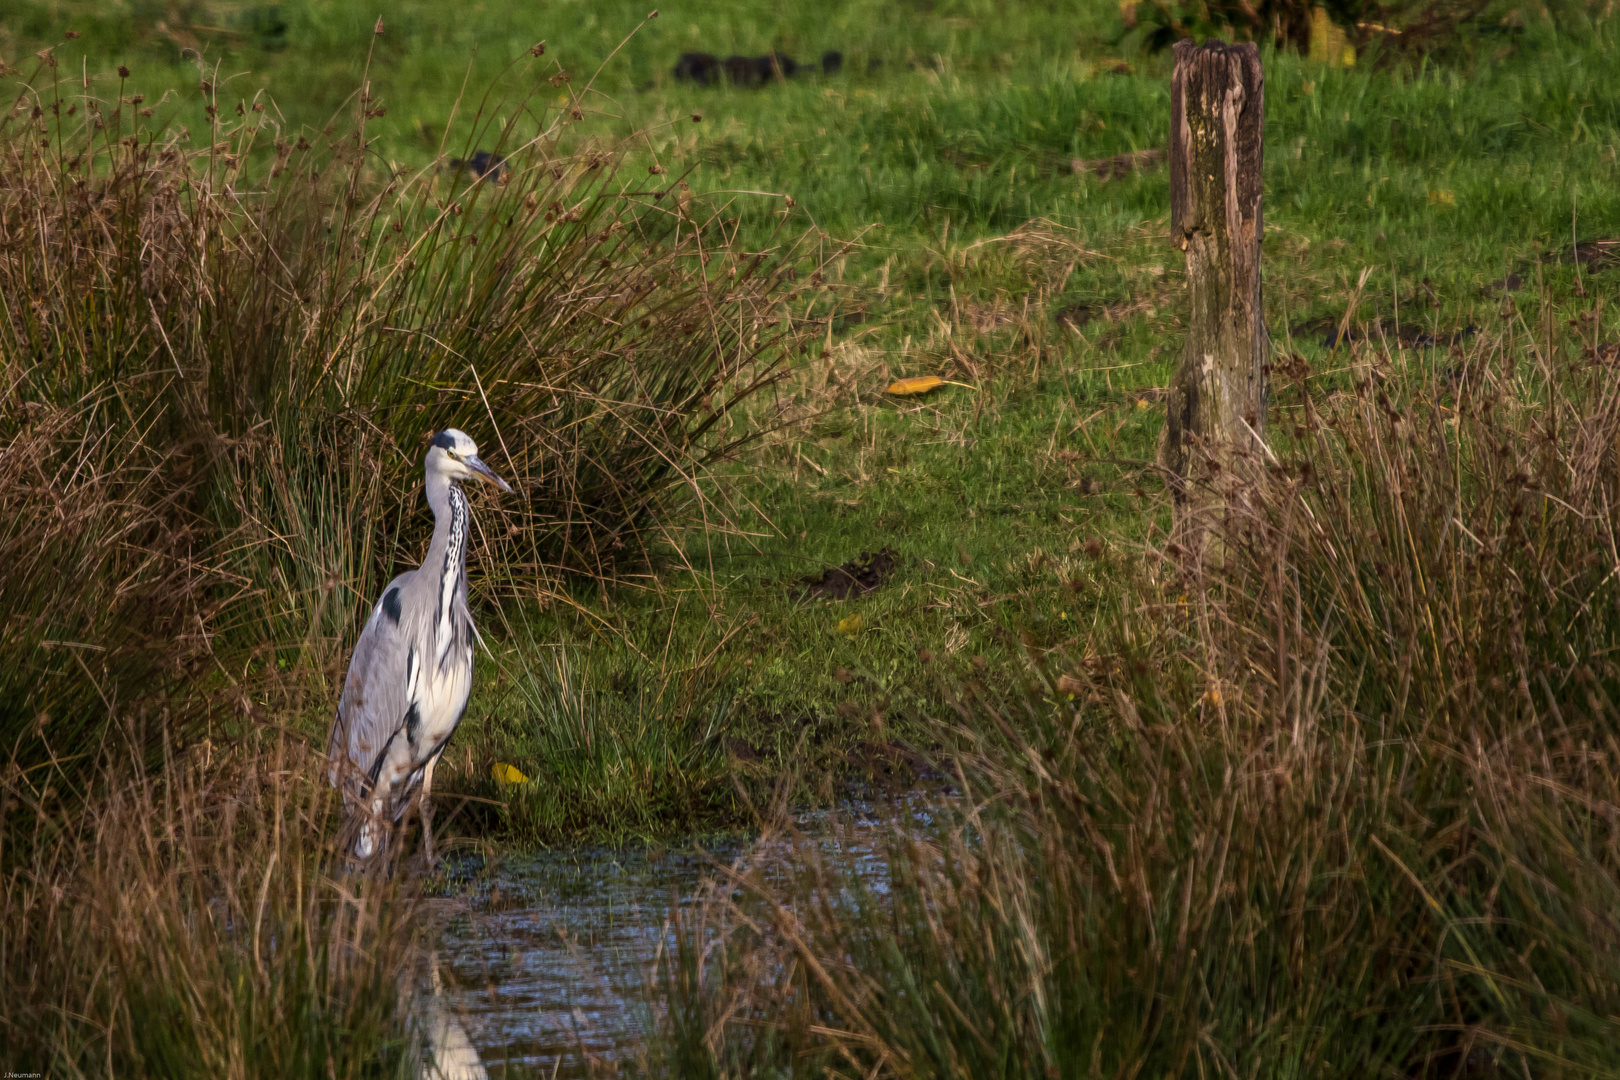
377	691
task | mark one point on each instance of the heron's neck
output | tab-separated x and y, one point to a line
449	548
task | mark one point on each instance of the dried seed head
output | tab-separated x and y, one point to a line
537	49
123	72
378	29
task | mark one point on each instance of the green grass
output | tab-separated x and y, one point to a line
957	239
1437	181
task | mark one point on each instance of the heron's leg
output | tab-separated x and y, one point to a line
374	832
425	807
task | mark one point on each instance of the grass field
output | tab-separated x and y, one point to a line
983	258
934	178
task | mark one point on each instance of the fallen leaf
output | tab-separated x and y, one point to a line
505	774
851	625
921	384
1068	684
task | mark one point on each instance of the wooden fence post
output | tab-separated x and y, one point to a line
1217	401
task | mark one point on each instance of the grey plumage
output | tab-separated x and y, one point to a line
411	672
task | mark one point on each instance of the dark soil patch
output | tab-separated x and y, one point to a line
859	576
1407	335
707	69
1594	255
888	763
1112	168
482	164
1078	315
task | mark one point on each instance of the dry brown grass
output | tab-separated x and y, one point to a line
192	923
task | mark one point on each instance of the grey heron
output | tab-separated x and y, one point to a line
412	669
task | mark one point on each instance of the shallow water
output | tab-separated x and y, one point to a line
548	958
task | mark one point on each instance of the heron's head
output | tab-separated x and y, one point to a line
454	456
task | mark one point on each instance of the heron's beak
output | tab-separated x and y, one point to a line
477	465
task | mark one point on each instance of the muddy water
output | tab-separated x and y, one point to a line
547	962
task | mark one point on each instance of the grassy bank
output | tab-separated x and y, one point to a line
1012	506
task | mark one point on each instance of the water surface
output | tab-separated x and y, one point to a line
548	958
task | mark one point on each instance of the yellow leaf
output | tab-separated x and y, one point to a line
1443	198
919	384
851	625
505	774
